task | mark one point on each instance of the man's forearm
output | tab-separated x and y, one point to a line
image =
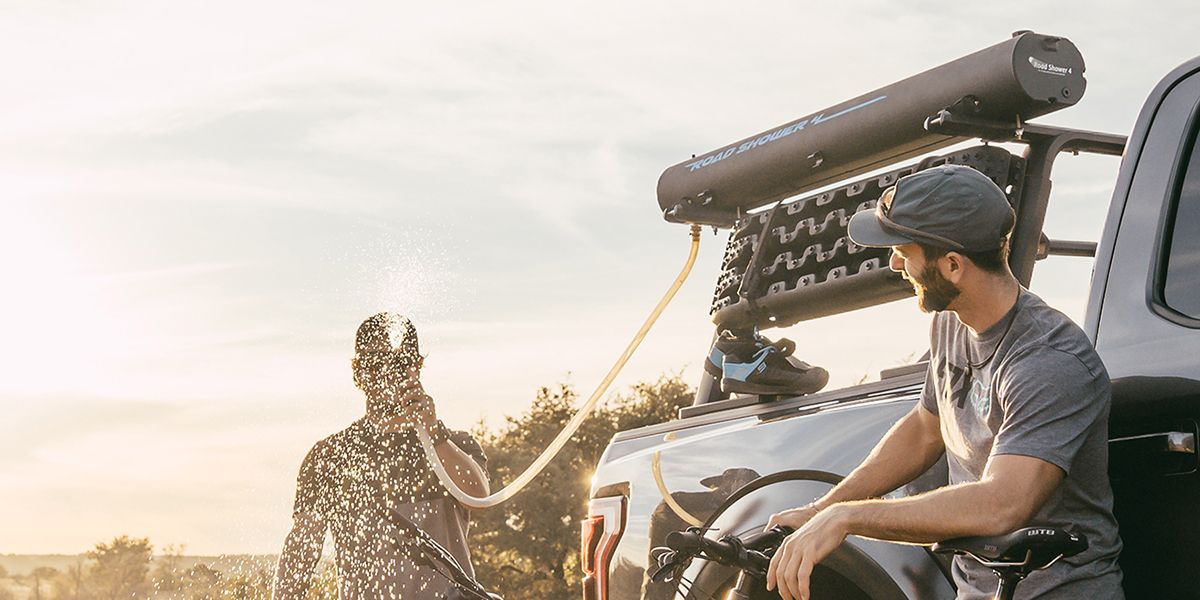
906	451
962	510
1013	488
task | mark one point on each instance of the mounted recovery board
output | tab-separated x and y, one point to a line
796	262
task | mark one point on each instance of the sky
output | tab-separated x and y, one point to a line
202	200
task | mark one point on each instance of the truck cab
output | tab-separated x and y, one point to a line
728	462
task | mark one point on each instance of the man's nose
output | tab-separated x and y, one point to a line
896	263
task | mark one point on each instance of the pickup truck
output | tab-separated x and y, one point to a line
727	463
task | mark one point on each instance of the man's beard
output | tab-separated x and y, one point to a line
934	292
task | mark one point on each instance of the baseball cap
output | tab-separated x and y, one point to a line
950	206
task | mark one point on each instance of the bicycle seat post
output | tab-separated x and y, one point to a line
1009	578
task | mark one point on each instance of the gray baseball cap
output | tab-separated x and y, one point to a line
950	206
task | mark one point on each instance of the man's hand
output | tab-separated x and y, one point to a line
793	563
415	406
793	517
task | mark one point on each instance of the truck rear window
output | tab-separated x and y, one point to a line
1181	286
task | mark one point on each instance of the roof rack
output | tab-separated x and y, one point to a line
795	262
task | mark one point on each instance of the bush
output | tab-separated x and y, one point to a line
528	547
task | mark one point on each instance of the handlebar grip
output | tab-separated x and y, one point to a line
692	542
684	541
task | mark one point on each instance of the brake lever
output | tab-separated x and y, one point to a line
667	573
668	570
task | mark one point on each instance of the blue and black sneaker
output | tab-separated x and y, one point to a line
728	343
752	364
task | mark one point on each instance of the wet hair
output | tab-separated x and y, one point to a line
991	261
385	341
386	332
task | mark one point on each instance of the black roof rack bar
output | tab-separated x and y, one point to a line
1045	143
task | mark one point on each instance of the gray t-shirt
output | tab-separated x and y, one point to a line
352	479
1031	385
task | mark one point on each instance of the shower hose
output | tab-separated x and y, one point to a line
552	450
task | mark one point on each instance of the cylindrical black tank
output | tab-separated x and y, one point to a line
1024	77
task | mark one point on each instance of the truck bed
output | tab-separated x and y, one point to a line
829	432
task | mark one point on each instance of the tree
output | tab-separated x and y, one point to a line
202	582
121	569
5	593
69	584
39	578
168	576
254	585
531	543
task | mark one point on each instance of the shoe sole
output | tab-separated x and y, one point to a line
733	386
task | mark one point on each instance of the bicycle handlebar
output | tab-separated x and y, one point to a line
466	588
753	552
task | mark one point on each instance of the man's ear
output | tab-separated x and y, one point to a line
952	266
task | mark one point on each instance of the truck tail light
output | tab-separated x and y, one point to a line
599	535
593	530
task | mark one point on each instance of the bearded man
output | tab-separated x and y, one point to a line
1015	397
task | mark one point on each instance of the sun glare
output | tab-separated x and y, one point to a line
52	315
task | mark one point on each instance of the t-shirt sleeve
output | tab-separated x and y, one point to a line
929	398
1051	401
928	393
467	443
310	483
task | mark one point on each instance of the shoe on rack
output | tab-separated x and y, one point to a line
729	343
753	364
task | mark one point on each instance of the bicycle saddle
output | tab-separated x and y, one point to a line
1032	548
